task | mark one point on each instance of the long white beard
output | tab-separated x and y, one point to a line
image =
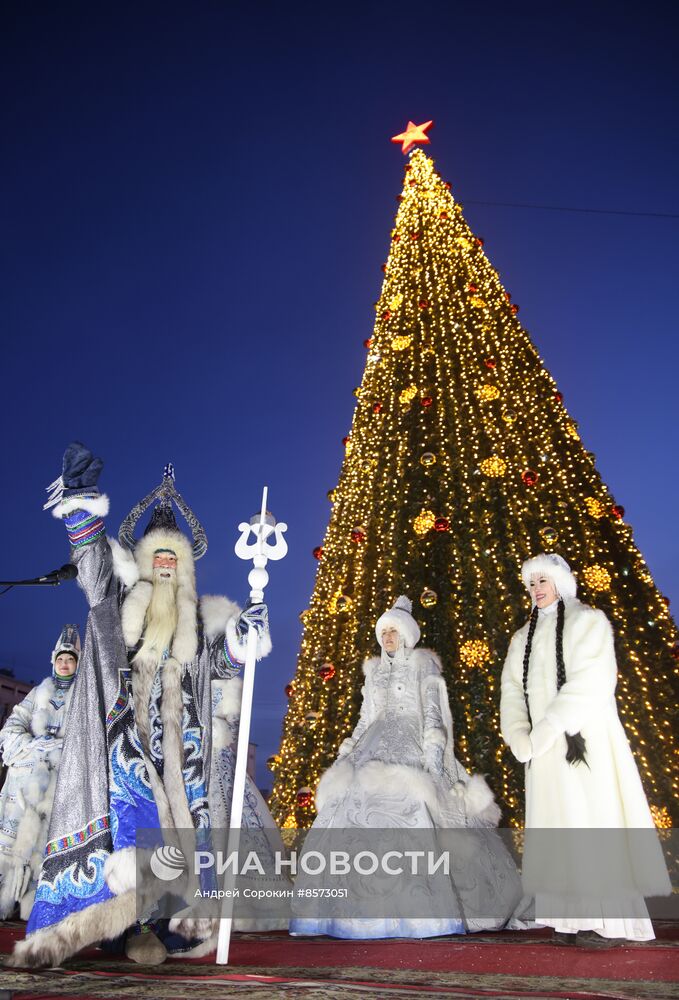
161	618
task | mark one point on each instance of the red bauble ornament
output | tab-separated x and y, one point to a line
377	407
357	536
327	672
289	689
397	237
386	314
675	651
441	524
345	440
423	303
530	477
443	215
666	601
368	343
399	197
515	308
447	185
414	236
471	287
558	396
480	241
318	552
305	798
490	363
425	402
508	297
618	511
413	183
384	267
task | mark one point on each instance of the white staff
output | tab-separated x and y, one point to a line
262	525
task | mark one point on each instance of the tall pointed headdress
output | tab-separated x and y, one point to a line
68	642
165	494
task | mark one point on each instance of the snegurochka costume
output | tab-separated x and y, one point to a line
398	770
31	742
140	756
559	717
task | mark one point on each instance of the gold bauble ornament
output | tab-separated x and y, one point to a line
401	343
595	507
407	395
597	577
428	598
509	416
475	653
487	392
493	466
311	719
343	604
424	522
549	535
428	459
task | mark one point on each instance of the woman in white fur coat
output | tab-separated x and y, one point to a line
30	744
398	770
559	717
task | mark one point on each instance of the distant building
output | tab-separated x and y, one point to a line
12	691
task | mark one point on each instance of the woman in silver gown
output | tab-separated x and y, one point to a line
398	772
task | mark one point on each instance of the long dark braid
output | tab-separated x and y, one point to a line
526	657
576	748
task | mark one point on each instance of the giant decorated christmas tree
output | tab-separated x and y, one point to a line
461	462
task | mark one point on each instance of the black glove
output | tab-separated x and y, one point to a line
80	470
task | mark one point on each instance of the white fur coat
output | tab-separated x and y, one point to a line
607	791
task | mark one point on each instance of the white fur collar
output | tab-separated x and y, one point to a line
416	658
215	611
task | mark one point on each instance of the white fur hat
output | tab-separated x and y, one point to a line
400	617
554	568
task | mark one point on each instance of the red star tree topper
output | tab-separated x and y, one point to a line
412	135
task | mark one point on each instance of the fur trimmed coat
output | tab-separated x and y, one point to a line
606	792
145	769
30	742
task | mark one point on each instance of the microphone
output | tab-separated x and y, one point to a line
66	572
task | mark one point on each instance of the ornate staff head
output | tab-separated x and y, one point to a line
163	518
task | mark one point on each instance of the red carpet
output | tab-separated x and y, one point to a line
508	965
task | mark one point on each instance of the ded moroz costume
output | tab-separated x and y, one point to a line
141	754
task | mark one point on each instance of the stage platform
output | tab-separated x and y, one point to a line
507	965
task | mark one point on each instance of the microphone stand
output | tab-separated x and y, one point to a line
53	579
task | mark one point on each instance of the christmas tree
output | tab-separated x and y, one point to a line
462	461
